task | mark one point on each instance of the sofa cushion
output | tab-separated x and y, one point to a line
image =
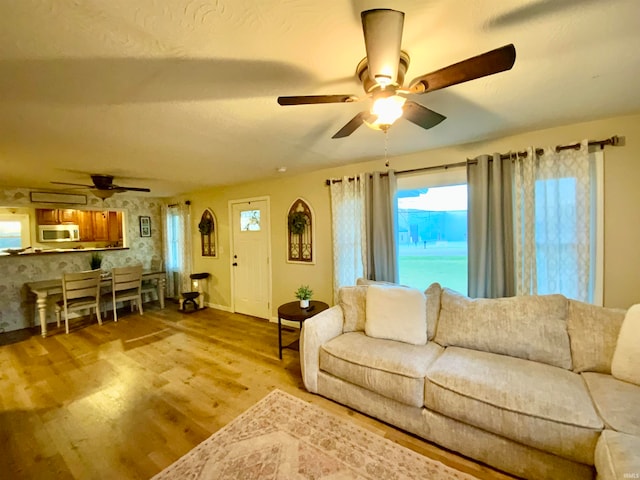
617	456
433	293
528	327
353	301
396	313
593	332
531	403
393	369
617	402
625	364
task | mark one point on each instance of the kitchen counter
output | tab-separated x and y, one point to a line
49	251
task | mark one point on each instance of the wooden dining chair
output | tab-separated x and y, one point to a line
126	283
80	291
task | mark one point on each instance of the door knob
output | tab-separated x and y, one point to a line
235	264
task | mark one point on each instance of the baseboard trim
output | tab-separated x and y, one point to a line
224	308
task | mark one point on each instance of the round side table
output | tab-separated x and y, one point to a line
292	311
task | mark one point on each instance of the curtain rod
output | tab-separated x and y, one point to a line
613	141
171	205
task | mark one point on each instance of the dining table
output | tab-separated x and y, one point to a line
45	288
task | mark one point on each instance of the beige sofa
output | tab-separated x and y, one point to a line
523	384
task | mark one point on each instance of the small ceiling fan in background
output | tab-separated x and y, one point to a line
103	186
382	74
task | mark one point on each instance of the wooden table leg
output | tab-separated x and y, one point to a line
162	281
279	338
41	302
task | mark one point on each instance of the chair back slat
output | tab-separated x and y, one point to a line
81	284
126	278
127	285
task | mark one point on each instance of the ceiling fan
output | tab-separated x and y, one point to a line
382	74
103	186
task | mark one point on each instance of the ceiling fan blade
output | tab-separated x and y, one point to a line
73	184
354	123
313	99
130	189
421	116
382	30
488	63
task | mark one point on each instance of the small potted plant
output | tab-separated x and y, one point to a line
95	261
304	294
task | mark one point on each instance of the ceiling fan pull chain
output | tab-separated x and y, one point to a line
386	148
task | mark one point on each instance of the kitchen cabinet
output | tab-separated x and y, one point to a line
100	226
68	216
114	226
56	216
85	222
47	216
94	225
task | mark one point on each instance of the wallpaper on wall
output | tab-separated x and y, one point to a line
17	305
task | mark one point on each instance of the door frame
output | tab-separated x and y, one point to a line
269	256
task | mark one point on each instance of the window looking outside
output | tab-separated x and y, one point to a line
10	235
14	231
432	231
174	249
432	236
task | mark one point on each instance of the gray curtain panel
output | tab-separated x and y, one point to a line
490	227
381	226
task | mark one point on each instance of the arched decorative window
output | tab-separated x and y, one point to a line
300	232
208	234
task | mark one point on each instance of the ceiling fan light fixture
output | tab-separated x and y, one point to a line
387	110
103	194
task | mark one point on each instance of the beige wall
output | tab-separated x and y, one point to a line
622	197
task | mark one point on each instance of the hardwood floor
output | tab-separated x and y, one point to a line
127	399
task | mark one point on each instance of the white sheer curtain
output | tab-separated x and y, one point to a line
348	231
364	229
178	249
554	223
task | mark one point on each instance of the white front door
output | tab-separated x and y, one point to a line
250	258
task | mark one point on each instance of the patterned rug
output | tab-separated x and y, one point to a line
283	437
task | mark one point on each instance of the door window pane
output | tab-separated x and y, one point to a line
250	220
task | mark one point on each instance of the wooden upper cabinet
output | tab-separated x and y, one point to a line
85	222
68	216
95	226
47	216
56	216
115	230
100	226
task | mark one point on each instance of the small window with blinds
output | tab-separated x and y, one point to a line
300	233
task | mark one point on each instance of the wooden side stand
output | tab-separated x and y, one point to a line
293	312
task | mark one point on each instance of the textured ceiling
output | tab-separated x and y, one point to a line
179	95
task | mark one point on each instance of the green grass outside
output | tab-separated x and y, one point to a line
422	271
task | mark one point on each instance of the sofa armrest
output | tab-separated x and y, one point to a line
316	331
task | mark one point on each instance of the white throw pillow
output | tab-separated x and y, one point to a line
396	313
626	357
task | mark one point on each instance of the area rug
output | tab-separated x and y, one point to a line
283	437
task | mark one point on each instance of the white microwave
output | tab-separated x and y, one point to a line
58	233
